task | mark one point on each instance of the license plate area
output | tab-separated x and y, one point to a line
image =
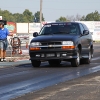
50	55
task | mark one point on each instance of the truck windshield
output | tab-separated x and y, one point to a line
67	28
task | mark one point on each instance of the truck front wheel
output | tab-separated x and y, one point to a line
76	62
36	63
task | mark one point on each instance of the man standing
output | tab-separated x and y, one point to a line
3	41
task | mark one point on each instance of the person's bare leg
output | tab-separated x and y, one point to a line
1	54
4	54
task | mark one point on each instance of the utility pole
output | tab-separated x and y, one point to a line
41	14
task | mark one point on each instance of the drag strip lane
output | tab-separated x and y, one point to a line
20	88
23	79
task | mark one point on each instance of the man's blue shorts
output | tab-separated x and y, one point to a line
3	44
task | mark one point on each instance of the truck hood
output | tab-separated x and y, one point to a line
45	38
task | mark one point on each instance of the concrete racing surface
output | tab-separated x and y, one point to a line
23	82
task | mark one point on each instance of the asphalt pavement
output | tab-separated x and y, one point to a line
23	82
83	88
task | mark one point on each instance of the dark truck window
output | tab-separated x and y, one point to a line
82	28
67	28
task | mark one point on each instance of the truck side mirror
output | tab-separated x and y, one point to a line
85	32
35	34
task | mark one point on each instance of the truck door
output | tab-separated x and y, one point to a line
84	40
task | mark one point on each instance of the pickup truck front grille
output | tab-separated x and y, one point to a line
51	45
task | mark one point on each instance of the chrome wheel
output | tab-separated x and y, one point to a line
78	58
90	56
87	60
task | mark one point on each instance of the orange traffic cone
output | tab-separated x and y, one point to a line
26	45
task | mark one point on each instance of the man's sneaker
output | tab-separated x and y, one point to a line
4	60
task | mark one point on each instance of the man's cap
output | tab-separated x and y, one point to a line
3	22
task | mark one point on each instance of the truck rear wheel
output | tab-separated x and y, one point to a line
87	60
36	63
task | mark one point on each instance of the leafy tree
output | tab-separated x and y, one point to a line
1	11
18	17
94	16
37	17
61	19
6	15
28	16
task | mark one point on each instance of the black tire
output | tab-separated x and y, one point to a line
76	62
54	62
87	60
36	63
92	52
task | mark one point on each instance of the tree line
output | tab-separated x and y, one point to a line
28	17
94	16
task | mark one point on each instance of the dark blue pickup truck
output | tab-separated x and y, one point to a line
56	42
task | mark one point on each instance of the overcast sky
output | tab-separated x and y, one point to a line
52	9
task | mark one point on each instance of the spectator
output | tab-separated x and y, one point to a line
3	41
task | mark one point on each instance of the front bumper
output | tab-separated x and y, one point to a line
53	54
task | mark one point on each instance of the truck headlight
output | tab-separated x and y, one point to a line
68	43
35	44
